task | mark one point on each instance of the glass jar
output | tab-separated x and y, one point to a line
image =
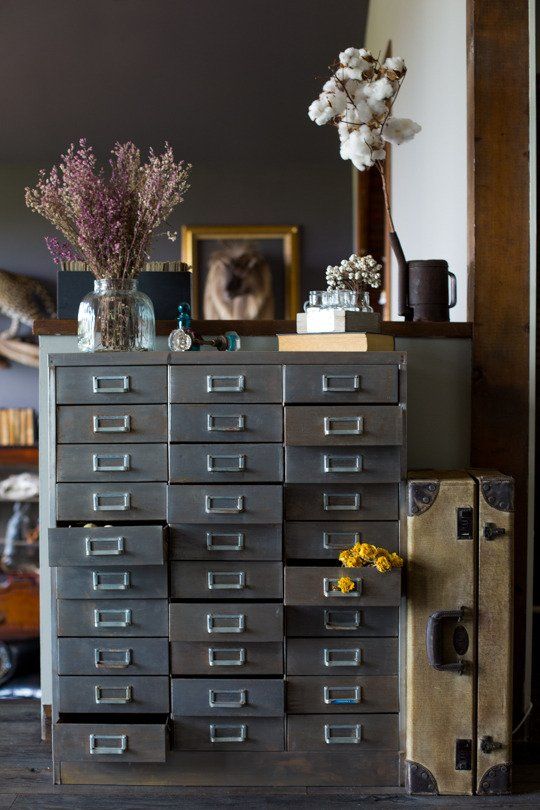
116	317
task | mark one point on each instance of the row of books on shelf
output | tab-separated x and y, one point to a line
17	427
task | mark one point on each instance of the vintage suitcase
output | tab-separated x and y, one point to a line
459	618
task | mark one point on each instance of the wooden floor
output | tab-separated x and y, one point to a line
26	782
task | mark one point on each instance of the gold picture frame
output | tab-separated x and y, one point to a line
192	235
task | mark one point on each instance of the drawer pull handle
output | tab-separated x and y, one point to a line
123	462
342	464
331	425
110	580
342	695
345	382
103	546
238	465
112	618
226	423
343	657
212	545
237	656
329	584
225	622
106	695
228	734
230	504
227	698
342	734
226	580
341	501
342	540
343	620
108	743
117	424
102	501
112	658
98	388
237	383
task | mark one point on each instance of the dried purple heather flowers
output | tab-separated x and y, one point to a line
109	220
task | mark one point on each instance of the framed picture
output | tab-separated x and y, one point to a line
243	272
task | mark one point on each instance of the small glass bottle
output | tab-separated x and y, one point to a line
180	340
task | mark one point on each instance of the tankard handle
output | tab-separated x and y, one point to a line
453	290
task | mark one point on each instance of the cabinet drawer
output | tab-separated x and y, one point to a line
225	658
101	462
334	622
226	423
314	465
343	425
122	694
304	540
344	656
111	424
314	586
225	463
225	383
136	656
121	545
333	694
110	742
113	501
233	503
336	383
228	734
339	502
190	541
227	621
111	385
222	580
223	697
112	582
319	732
110	618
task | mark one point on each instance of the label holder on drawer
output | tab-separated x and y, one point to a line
95	742
97	388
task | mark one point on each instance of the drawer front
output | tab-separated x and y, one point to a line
228	734
113	501
111	424
335	694
100	462
190	541
110	742
100	545
326	540
111	385
223	697
106	618
91	656
337	622
341	384
343	425
105	694
225	383
345	656
240	503
337	502
321	465
226	658
226	580
314	586
359	731
226	423
227	621
225	463
112	582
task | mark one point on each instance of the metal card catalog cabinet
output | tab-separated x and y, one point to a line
198	506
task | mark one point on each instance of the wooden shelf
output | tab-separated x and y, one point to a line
19	456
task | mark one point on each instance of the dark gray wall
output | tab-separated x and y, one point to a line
226	82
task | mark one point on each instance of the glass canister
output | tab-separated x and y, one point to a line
116	317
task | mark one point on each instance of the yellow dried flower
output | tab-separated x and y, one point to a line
382	564
368	552
345	584
395	560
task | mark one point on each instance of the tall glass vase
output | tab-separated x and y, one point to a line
116	317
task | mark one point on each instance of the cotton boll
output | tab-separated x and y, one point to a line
380	89
399	130
320	111
395	63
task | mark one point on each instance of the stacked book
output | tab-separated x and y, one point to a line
336	330
17	427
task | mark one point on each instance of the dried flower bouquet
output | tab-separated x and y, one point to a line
364	554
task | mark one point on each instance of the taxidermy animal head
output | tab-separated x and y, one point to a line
243	266
23	299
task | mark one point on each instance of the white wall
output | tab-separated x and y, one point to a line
429	174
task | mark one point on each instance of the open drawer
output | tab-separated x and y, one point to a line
110	742
316	585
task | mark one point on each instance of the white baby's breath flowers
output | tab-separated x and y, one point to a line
358	273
